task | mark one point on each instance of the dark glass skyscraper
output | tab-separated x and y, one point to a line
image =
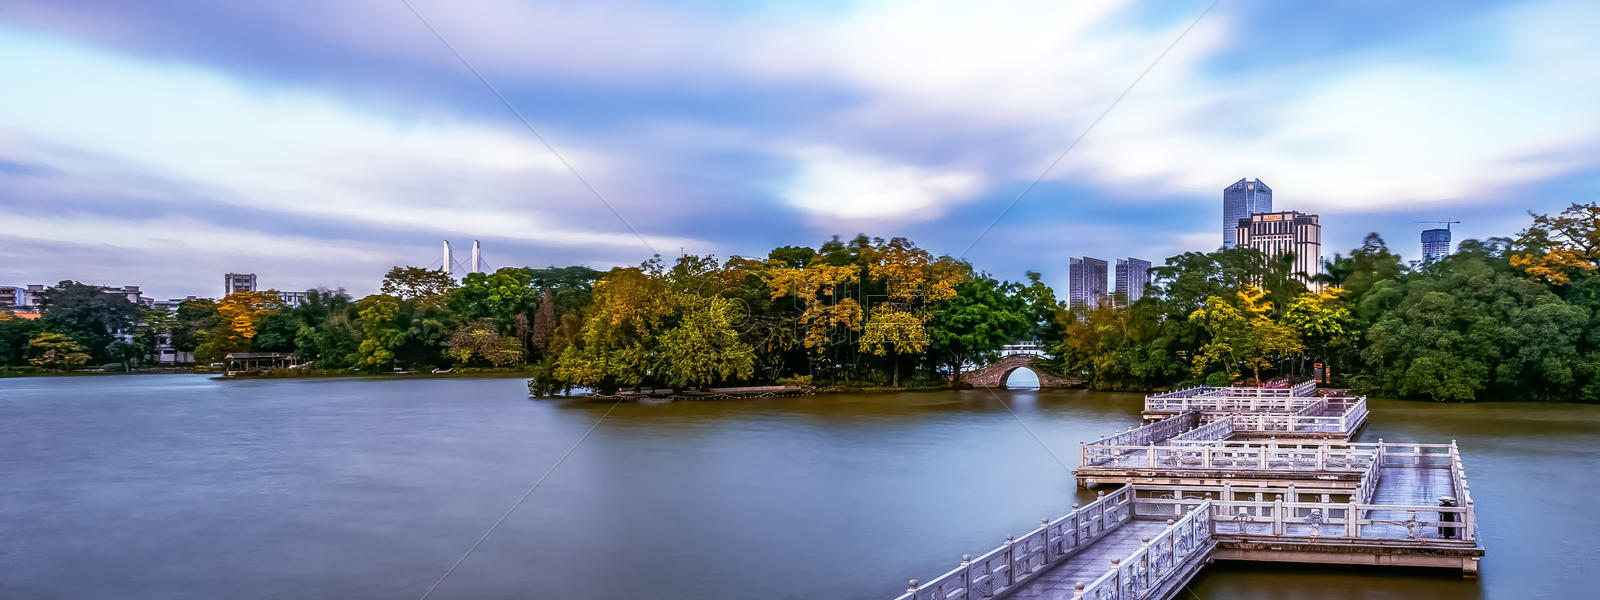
1133	276
1086	282
1239	201
1435	244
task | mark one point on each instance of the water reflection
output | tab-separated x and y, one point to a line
184	487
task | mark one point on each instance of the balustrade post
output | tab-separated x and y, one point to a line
1470	520
966	575
912	589
1379	455
1045	522
1011	563
1322	457
1116	575
1077	591
1172	550
1076	540
1293	497
1277	516
1205	456
1151	453
1352	523
1100	498
1144	561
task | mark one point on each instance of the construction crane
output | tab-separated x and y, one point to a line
1447	222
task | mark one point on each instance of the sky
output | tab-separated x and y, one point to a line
165	143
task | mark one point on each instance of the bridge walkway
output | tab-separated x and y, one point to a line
1091	563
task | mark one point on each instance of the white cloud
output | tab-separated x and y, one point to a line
838	186
922	106
296	152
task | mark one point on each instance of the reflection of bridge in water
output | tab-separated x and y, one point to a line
1194	489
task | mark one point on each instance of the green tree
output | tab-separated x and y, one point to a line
193	317
430	287
14	335
703	348
1323	320
87	314
379	330
501	295
52	350
1243	334
972	326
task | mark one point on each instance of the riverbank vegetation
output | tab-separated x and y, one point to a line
1507	318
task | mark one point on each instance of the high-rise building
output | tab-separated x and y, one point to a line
238	282
1435	244
1239	201
1133	276
1291	232
1086	282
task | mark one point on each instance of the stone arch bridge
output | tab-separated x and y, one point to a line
994	375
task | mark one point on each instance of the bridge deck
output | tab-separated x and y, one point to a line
1090	563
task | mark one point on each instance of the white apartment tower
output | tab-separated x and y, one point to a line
1279	233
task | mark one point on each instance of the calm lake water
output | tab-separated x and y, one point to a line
177	486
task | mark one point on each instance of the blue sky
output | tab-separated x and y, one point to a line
165	143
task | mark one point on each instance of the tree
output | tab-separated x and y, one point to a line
192	318
429	287
621	336
1243	335
56	351
124	353
823	292
14	335
152	325
480	339
972	326
380	332
544	323
240	316
1558	247
703	348
87	314
1042	309
1322	319
500	295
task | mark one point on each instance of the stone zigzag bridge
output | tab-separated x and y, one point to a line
1280	482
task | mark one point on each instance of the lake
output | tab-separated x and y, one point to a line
182	486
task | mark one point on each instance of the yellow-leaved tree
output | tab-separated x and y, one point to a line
239	318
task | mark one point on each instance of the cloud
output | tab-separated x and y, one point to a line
741	124
836	186
297	152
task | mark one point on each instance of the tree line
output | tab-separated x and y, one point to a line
1505	318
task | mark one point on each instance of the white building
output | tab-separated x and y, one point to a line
1279	233
238	282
